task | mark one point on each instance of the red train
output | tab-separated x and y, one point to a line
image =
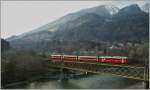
105	59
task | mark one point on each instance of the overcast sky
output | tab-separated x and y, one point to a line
22	16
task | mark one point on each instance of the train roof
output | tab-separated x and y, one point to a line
91	56
87	56
113	56
56	55
70	55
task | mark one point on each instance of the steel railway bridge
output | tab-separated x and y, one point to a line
127	71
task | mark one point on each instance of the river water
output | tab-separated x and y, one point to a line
101	81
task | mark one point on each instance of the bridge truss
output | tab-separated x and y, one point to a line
133	72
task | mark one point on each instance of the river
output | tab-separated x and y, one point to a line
101	81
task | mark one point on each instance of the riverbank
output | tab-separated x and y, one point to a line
49	76
139	85
20	82
102	81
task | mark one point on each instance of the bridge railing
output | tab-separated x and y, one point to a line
133	72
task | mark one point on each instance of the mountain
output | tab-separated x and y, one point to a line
4	45
98	24
131	24
109	29
112	9
145	7
104	11
130	10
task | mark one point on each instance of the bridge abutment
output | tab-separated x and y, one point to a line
146	84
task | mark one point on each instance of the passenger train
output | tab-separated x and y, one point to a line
102	59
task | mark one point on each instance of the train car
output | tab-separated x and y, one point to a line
116	60
124	59
88	58
108	59
103	59
113	59
69	58
119	59
56	57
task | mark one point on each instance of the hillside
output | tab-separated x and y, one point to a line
4	45
145	7
96	25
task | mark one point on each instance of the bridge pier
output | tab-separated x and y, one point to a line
146	77
146	84
86	73
63	72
